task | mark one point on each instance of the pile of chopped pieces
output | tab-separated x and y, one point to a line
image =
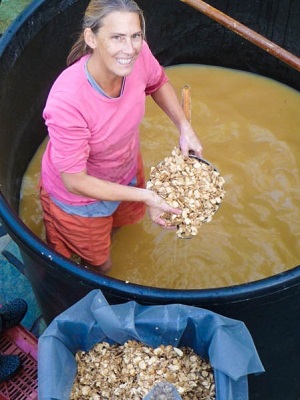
191	185
130	372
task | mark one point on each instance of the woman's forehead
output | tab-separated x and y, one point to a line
121	19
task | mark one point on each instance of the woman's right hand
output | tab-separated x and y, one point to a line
156	207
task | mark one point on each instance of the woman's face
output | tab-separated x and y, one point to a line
117	43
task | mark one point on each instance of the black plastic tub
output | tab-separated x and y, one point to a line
33	52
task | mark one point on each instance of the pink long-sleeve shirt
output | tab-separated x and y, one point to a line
90	131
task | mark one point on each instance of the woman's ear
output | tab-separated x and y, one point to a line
90	38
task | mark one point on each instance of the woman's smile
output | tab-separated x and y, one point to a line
124	61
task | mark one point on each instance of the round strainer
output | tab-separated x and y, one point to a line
192	184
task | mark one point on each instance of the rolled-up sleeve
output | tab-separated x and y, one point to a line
156	76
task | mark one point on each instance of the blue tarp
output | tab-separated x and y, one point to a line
226	342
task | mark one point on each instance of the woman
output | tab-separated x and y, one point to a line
92	179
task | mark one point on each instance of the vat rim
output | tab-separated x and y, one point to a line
26	239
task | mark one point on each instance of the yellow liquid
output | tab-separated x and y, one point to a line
249	127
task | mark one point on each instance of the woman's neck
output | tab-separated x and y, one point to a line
109	83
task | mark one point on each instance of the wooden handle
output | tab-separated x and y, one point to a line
186	102
242	30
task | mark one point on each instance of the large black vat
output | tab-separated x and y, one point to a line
33	52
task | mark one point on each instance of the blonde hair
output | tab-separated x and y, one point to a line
96	11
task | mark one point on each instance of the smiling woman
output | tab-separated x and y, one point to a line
92	179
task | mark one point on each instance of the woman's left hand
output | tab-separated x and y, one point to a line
190	142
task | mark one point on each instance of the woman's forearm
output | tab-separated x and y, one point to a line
168	101
86	185
89	186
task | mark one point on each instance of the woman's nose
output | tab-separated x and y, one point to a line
128	46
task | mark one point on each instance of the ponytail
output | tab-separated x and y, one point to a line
78	50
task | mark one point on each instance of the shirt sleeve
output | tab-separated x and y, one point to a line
156	74
68	131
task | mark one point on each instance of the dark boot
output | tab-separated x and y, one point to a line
12	313
9	365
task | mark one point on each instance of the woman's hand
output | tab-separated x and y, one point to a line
189	141
156	207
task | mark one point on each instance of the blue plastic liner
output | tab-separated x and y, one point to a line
226	342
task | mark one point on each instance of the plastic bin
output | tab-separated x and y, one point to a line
225	342
23	386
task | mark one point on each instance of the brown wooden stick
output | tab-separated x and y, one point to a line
186	102
246	33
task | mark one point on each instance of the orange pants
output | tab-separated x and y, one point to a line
88	237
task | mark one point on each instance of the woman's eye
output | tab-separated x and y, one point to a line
117	38
137	36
